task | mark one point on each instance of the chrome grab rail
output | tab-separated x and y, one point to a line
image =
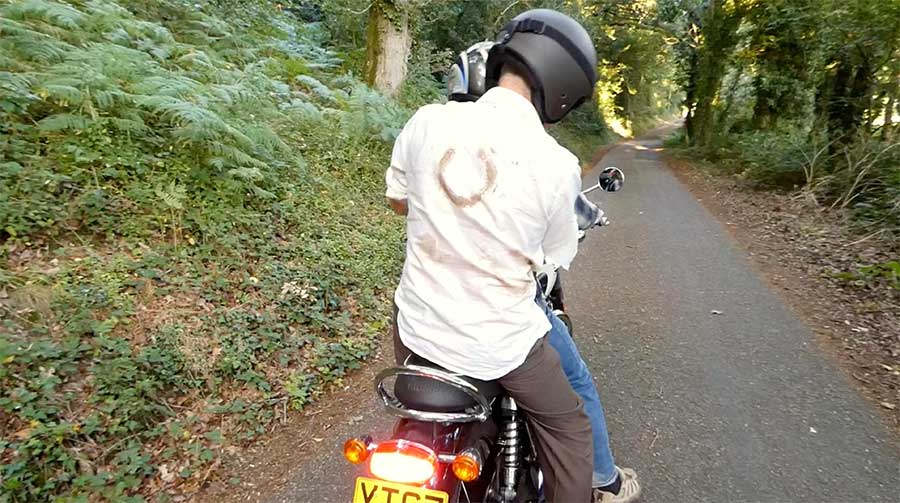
480	412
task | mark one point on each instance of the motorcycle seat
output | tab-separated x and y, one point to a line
429	395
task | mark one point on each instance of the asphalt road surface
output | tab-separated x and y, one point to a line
744	405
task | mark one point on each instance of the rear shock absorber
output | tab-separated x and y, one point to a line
509	449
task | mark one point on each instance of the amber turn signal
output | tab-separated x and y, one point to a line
356	451
466	467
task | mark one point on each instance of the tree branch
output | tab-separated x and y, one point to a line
504	11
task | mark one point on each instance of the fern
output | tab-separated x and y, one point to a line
55	13
319	89
61	92
35	48
232	93
197	134
303	110
170	85
233	156
172	196
178	110
197	59
249	174
16	83
109	98
60	122
262	135
133	126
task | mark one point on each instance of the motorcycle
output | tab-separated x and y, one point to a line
459	439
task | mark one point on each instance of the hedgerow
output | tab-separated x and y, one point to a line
193	237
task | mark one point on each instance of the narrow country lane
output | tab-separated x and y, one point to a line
740	405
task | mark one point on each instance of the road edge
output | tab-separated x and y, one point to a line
817	312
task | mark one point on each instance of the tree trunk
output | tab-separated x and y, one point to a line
388	45
690	100
838	108
860	95
762	111
719	30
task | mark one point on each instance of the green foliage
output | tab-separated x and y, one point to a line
887	274
583	132
676	139
192	232
795	93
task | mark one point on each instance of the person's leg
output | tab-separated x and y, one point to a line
558	424
579	376
561	430
401	352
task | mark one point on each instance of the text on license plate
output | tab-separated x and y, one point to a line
379	491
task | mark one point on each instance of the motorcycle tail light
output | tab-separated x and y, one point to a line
466	466
356	450
403	462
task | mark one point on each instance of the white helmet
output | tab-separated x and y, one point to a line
466	81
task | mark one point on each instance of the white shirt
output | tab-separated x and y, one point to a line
490	194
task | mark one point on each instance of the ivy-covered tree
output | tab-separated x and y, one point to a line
388	43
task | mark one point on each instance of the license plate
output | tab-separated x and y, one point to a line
380	491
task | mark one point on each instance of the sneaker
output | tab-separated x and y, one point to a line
629	491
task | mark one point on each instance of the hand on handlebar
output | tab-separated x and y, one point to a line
588	213
601	219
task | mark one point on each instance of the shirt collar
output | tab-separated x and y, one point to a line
501	97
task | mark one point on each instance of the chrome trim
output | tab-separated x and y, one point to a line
481	412
471	452
475	454
446	459
590	189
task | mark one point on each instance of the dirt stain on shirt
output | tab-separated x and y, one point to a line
464	201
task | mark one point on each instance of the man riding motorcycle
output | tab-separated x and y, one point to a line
467	82
488	195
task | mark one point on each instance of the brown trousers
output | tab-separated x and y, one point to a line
555	414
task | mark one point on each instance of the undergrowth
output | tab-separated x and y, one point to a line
193	237
861	178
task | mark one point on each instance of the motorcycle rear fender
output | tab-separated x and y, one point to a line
452	439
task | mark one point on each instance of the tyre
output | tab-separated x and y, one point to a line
566	320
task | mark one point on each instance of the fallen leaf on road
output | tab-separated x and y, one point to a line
812	430
165	474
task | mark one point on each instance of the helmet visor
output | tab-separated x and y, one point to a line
456	81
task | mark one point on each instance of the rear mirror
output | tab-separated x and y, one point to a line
612	179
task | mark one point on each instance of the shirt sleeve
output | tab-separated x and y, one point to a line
395	178
561	239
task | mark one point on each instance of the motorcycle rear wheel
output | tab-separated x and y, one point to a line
567	321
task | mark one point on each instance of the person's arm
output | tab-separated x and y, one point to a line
396	175
587	213
399	206
561	239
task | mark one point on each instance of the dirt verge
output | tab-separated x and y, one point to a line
811	259
261	470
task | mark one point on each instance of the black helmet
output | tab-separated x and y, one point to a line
466	81
558	54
